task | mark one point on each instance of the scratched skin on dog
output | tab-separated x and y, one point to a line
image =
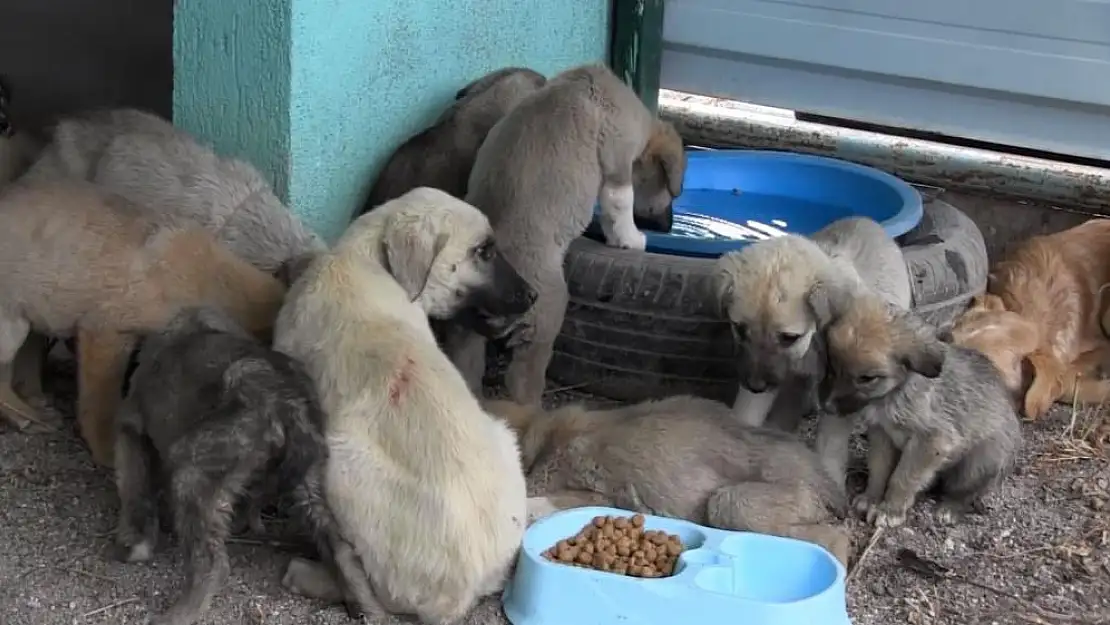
426	485
76	260
212	412
935	413
1045	309
442	155
582	139
767	293
681	457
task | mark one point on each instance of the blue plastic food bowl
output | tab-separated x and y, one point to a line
731	198
723	578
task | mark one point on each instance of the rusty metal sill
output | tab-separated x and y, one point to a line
1069	186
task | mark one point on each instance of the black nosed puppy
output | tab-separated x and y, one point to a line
213	412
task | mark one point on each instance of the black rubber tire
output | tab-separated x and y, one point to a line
642	325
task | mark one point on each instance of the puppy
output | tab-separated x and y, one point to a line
1045	308
146	160
766	292
935	412
442	156
216	412
683	457
76	260
425	484
584	138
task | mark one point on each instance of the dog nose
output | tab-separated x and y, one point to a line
530	297
757	385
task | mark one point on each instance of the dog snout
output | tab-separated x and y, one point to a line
656	223
758	384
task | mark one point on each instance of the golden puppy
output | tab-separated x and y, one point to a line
1044	309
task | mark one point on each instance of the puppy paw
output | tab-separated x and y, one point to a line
949	514
634	240
886	516
141	551
863	504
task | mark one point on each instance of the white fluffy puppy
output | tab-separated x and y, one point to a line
775	295
425	484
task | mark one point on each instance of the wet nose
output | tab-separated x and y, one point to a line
757	385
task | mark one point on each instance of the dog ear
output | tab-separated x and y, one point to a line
925	356
827	300
724	287
411	249
668	151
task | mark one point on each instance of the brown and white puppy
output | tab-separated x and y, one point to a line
583	139
1045	308
76	260
936	413
682	457
442	155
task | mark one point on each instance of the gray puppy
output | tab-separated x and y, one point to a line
583	139
683	457
213	412
936	413
148	161
442	156
767	292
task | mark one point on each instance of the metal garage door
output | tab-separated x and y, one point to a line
1031	73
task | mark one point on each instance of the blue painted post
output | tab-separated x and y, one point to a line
317	93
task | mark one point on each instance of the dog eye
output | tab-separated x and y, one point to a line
485	251
867	378
786	339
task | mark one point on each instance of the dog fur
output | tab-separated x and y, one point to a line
936	413
77	260
426	485
442	155
1045	308
584	138
765	293
212	412
145	159
682	457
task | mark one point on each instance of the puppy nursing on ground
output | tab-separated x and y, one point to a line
1045	308
79	261
425	484
682	457
771	294
582	139
210	412
936	413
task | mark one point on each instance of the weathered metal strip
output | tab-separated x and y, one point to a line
920	161
636	47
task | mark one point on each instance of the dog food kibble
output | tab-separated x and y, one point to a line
619	545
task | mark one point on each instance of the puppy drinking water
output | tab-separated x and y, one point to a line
682	457
584	138
766	292
935	412
426	485
217	411
442	156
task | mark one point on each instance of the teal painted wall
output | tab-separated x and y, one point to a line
318	93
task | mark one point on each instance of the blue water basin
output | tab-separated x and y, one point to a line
731	198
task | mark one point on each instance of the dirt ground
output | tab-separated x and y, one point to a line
1043	549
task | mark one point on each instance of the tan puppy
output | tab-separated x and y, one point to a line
442	155
76	260
1045	307
425	485
583	139
683	457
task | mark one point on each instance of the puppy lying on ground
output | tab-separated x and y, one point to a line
425	484
935	412
442	156
180	182
76	260
584	138
215	411
681	457
767	292
1045	307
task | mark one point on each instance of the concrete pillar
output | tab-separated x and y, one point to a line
317	93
